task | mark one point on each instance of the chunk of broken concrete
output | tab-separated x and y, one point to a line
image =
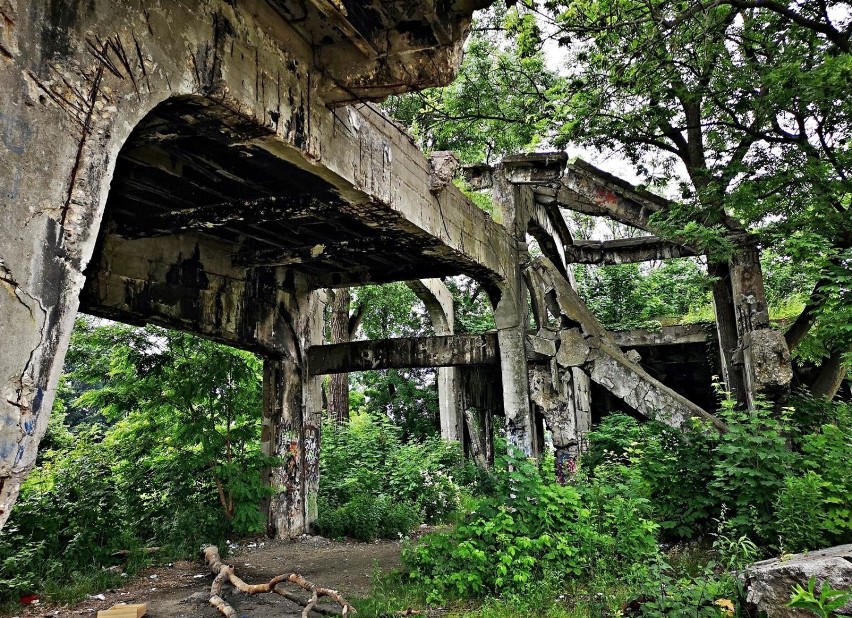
573	348
770	582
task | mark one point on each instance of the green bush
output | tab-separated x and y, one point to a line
535	531
165	452
677	467
777	476
752	461
366	517
815	507
799	513
372	485
69	518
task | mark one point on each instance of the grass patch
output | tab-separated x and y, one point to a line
393	593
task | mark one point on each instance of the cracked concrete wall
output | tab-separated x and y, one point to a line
75	79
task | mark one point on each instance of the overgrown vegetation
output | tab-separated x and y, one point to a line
739	496
155	435
164	451
373	485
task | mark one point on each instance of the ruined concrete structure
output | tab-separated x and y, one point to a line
212	166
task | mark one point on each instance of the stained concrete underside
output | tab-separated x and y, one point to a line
193	167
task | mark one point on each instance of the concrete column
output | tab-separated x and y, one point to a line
53	184
765	357
726	329
511	314
292	419
439	305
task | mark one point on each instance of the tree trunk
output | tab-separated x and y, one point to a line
831	376
338	386
476	432
800	327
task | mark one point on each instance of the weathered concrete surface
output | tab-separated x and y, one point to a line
438	351
292	415
770	583
666	335
624	250
767	369
514	202
76	80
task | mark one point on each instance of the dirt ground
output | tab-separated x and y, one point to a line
182	589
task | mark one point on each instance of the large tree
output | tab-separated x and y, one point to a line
746	104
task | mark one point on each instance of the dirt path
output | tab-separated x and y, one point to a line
182	590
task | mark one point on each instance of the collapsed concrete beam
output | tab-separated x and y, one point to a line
443	351
586	190
593	348
624	250
592	191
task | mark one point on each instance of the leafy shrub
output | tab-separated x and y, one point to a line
366	517
827	453
532	531
815	507
752	460
165	452
65	519
799	513
374	485
776	476
677	467
708	594
824	605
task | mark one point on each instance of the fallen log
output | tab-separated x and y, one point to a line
225	573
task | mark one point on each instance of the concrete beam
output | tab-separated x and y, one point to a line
333	12
624	250
667	335
207	218
442	351
536	168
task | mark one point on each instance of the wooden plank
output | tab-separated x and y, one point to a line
130	610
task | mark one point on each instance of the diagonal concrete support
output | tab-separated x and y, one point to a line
584	343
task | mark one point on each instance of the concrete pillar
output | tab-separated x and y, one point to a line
439	305
726	330
292	419
767	367
563	396
515	202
